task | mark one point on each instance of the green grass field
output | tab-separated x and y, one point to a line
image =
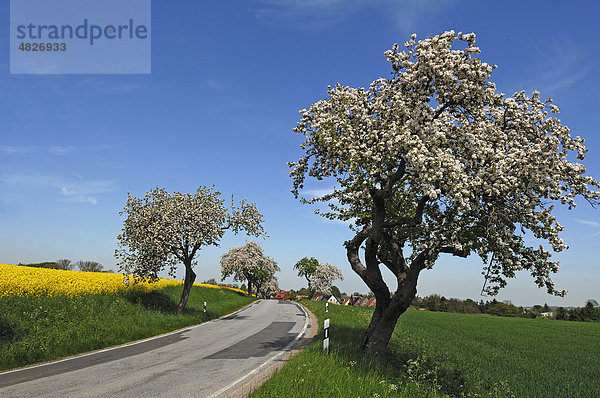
434	354
37	329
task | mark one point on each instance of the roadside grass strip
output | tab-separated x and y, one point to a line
434	354
41	328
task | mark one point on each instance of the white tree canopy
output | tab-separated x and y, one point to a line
163	229
433	160
249	263
452	165
322	278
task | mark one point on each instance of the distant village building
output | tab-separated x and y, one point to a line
353	301
284	295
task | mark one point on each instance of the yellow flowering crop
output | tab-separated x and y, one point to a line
30	281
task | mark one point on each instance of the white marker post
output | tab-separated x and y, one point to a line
326	307
205	306
326	336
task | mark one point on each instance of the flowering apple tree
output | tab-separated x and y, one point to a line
163	229
323	278
271	287
248	263
433	160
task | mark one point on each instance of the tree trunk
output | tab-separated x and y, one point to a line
249	288
387	311
190	277
377	336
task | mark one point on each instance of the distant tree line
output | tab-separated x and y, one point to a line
435	302
589	313
66	264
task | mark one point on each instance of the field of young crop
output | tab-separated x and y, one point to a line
435	354
53	314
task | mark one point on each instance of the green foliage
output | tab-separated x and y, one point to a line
435	302
434	354
336	291
306	267
36	329
590	312
503	309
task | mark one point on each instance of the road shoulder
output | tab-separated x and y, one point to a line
263	375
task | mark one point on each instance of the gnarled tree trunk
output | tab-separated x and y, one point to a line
380	248
377	335
190	277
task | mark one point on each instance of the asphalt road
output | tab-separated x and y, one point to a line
209	360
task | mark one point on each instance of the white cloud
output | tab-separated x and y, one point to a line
319	192
562	63
588	222
320	14
75	195
73	189
60	150
15	150
111	87
593	224
308	14
214	83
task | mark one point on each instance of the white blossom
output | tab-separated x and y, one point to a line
248	263
162	230
433	160
322	278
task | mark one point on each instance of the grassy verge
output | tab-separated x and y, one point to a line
442	354
37	329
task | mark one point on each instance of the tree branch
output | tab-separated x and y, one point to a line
410	221
352	249
442	109
454	251
398	174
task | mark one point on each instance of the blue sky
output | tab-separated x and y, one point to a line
227	81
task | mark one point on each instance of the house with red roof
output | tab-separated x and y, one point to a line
283	295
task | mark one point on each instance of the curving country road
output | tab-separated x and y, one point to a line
208	360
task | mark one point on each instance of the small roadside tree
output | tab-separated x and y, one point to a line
270	288
432	160
248	263
320	277
323	278
306	267
163	229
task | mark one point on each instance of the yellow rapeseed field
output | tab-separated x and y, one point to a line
30	281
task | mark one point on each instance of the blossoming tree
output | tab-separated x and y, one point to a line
433	160
320	277
248	263
163	229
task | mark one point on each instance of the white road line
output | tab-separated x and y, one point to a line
255	371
